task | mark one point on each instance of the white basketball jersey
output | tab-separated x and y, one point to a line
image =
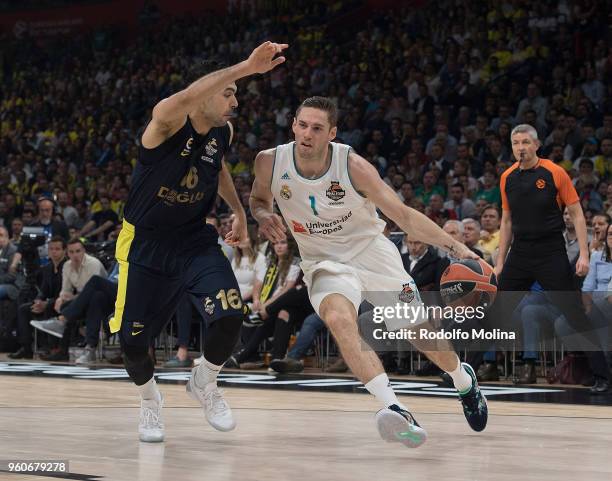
329	219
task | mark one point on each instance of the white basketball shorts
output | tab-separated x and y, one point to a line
376	275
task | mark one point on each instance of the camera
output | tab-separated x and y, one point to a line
32	239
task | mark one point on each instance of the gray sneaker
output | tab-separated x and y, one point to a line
87	357
52	326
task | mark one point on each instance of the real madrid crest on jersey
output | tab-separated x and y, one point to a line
285	192
407	294
335	192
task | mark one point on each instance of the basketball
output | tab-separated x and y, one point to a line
468	282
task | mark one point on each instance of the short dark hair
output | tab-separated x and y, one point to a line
458	185
604	215
58	238
203	68
75	240
321	103
491	207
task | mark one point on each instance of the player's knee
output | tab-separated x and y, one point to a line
138	363
336	319
231	325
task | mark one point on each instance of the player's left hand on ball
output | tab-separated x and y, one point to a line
238	236
461	251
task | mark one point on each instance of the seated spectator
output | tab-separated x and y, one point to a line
608	202
589	197
102	222
280	276
95	304
247	262
223	224
76	273
455	229
599	223
490	189
602	163
536	312
424	265
489	235
596	294
16	229
184	317
9	282
437	212
47	222
429	188
459	203
293	361
68	212
43	306
471	235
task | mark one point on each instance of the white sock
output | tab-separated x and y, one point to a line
461	379
149	390
206	375
381	389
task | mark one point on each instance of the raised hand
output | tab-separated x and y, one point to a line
262	59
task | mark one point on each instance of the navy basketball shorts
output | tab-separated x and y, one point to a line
155	271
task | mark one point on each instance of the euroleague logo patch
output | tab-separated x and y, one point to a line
540	183
335	192
407	294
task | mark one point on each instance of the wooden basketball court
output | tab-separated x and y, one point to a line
292	435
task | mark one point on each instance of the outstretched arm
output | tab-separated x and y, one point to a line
169	114
367	181
262	201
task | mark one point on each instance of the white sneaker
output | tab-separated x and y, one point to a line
52	326
151	428
396	425
87	357
217	411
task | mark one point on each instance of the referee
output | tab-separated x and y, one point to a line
534	192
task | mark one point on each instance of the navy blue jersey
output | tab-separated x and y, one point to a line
174	185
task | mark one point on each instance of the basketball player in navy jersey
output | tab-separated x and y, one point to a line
328	196
166	248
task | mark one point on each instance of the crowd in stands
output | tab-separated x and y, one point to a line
428	95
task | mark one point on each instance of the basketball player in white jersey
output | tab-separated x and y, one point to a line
328	196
